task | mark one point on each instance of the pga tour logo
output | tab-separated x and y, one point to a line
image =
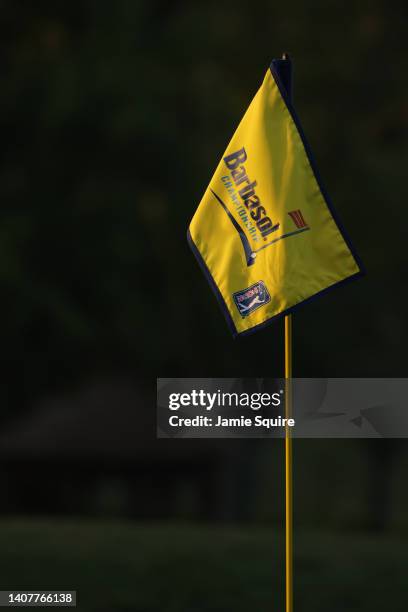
251	299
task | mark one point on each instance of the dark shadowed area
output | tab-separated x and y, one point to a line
114	116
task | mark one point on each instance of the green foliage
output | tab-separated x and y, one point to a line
114	117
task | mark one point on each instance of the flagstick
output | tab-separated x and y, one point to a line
286	75
288	468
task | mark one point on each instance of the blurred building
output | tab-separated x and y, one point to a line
95	452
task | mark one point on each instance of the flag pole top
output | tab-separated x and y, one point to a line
284	68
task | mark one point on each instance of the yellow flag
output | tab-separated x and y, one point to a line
265	231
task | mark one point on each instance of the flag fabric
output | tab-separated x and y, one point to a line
265	232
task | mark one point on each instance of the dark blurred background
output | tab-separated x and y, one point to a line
114	115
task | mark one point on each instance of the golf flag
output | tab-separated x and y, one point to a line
265	232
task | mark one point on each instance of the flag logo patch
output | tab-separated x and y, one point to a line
297	218
251	298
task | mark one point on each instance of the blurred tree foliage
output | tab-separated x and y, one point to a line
114	115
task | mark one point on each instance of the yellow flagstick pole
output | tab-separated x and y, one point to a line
286	76
288	469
